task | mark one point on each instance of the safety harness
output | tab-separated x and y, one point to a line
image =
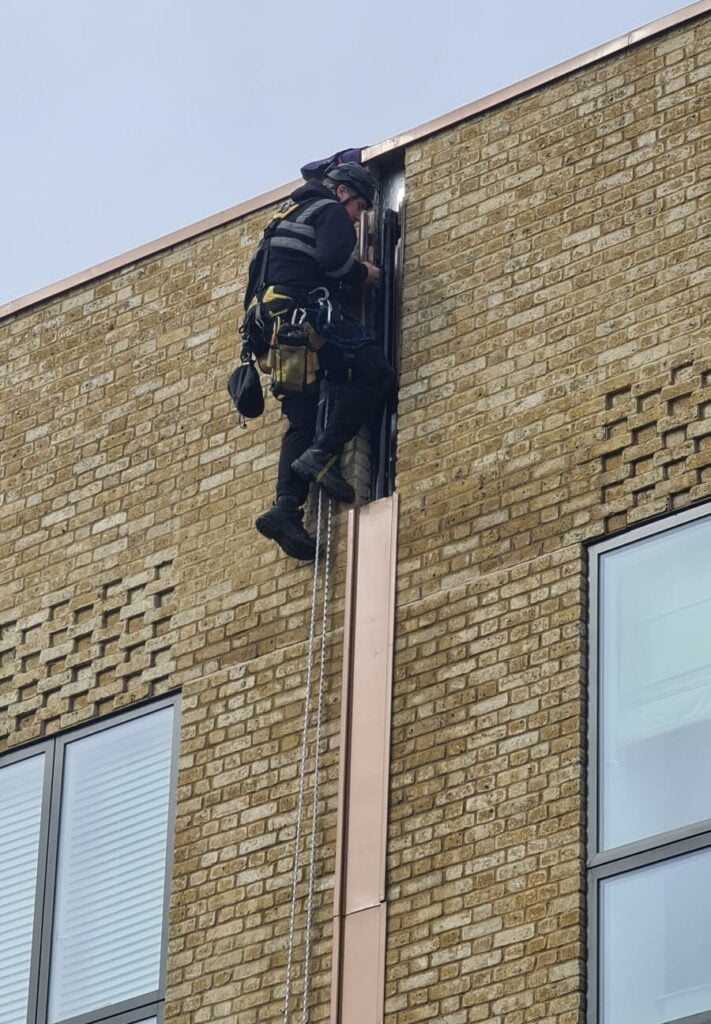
290	228
282	326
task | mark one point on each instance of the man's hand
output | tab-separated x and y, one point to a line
373	277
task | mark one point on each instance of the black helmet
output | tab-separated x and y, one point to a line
356	178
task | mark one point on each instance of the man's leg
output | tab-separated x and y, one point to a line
283	522
372	380
301	409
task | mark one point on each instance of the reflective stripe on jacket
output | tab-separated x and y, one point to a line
311	243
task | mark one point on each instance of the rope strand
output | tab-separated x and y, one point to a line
317	760
316	756
302	770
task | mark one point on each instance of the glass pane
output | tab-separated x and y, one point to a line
655	688
112	847
656	942
20	816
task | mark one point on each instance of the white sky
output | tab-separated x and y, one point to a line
120	122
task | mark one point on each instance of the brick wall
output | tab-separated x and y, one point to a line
555	387
131	568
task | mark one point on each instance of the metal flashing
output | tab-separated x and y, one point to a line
532	82
125	259
359	917
382	149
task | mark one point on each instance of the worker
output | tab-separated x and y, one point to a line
301	274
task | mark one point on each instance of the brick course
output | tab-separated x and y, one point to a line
555	387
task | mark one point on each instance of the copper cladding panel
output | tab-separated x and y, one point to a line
358	982
363	960
371	684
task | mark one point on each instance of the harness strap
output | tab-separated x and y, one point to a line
313	207
290	229
293	226
322	472
286	231
279	242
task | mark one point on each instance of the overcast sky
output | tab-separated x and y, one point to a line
123	121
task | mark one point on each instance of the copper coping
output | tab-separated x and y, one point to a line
392	145
359	914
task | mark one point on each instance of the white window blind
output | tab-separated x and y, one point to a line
20	814
108	918
655	659
656	943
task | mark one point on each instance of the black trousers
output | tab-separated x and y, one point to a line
357	397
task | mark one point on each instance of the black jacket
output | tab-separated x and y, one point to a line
311	247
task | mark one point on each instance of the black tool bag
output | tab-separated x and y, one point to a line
246	391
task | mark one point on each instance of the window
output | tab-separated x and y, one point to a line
650	774
85	829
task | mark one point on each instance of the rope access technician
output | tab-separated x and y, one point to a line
297	326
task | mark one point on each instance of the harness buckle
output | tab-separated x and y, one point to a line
322	299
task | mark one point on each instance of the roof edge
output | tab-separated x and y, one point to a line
381	149
566	67
150	248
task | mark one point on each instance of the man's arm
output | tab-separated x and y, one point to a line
336	240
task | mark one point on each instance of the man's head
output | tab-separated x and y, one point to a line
353	203
353	186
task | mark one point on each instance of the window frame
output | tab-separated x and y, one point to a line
661	847
138	1008
46	748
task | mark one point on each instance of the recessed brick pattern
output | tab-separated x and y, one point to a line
83	656
555	388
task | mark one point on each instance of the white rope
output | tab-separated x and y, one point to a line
317	759
302	770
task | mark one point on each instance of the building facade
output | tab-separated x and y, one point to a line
546	821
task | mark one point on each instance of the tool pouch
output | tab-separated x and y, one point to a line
291	360
254	333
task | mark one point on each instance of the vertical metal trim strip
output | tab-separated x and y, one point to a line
593	894
46	749
389	659
359	922
344	762
41	1011
176	704
591	784
593	703
593	780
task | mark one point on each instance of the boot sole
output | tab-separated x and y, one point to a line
310	476
292	548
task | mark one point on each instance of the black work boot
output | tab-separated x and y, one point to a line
322	467
283	523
